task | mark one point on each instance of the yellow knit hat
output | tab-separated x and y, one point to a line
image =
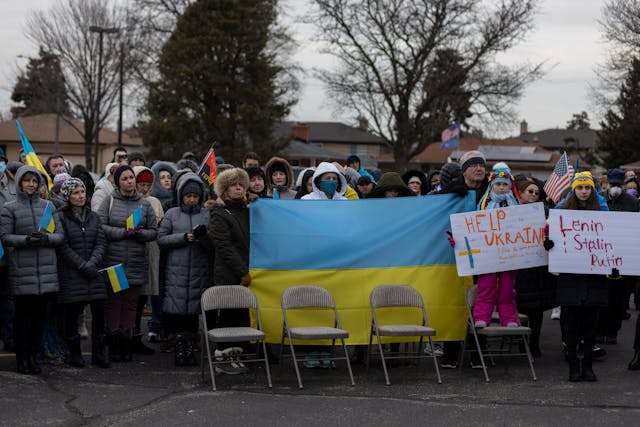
583	178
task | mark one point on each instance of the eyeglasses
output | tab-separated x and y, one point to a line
534	192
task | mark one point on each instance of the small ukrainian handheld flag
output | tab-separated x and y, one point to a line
134	219
46	221
117	278
30	154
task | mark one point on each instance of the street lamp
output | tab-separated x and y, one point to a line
101	31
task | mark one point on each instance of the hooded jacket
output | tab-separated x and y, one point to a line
286	191
152	287
130	252
103	189
33	268
165	196
187	263
80	257
424	181
390	181
318	194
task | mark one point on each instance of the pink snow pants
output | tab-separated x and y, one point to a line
496	289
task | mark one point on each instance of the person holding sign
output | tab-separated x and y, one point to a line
31	258
497	288
80	259
580	295
127	246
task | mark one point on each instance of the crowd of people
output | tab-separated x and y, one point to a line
188	238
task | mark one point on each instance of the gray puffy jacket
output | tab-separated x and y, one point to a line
187	263
32	267
131	252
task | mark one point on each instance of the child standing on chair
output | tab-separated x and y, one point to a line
497	288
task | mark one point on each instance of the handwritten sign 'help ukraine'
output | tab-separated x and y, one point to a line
594	242
500	239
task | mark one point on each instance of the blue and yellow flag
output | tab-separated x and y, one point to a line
46	220
135	219
117	278
31	156
349	248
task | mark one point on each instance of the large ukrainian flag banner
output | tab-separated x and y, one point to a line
349	248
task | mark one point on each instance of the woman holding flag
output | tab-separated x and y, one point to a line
30	232
80	259
129	222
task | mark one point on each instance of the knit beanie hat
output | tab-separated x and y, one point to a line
58	180
135	155
583	178
145	176
121	169
615	176
449	172
501	173
69	187
471	158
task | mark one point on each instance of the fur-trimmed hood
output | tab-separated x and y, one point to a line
270	167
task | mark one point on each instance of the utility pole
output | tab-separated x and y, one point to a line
121	101
101	32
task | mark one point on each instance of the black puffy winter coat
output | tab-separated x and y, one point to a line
536	289
229	231
131	252
80	257
33	268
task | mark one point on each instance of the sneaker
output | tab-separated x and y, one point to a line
598	352
325	360
512	325
438	350
224	368
153	337
448	364
555	313
480	324
474	361
311	360
233	355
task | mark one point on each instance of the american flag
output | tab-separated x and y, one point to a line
560	179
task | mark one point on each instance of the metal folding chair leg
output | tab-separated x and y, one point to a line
267	368
368	360
211	370
384	363
295	363
202	344
529	358
479	350
435	360
346	358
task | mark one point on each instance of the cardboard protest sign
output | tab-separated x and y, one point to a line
594	242
500	239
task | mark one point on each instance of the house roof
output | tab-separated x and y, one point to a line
42	128
555	138
298	149
328	132
433	154
631	166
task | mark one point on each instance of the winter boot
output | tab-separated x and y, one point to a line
587	368
140	348
99	356
126	349
180	351
33	365
21	364
115	346
574	367
75	352
634	365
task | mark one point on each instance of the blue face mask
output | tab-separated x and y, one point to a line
3	167
328	187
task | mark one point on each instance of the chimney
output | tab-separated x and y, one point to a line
363	124
300	131
524	127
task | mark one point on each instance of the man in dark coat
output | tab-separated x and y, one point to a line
610	318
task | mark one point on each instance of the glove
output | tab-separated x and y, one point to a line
548	244
452	242
35	238
88	270
245	280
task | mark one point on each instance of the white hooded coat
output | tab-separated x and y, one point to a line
318	194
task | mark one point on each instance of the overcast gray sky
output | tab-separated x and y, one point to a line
566	35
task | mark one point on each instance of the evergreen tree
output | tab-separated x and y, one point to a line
579	121
223	78
40	89
619	142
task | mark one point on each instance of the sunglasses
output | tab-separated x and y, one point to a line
534	192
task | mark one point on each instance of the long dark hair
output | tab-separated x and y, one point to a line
591	204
